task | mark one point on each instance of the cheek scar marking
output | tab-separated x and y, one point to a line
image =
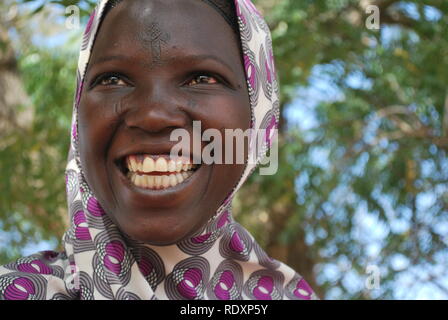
192	103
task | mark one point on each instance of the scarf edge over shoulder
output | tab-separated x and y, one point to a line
221	262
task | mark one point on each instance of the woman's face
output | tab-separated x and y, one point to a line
157	66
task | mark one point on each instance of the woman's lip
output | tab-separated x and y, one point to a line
165	195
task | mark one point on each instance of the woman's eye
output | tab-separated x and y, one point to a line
202	79
111	80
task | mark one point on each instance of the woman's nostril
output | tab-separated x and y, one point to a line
156	120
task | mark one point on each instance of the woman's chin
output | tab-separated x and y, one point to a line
167	235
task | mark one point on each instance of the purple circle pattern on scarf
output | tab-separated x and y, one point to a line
265	285
188	280
39	263
78	234
20	289
201	243
81	227
151	266
265	260
252	72
227	282
16	286
34	266
95	208
114	257
236	244
299	289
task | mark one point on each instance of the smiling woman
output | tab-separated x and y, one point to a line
150	74
144	224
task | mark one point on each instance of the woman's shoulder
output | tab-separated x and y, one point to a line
43	262
281	279
28	277
295	285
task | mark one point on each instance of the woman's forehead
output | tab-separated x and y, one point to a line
192	17
189	25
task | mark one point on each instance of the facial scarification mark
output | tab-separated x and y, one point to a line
117	107
156	38
192	103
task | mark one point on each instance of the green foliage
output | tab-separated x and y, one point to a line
377	152
32	201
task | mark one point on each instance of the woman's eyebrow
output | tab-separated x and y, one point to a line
180	59
201	57
108	58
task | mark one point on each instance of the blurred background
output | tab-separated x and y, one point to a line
359	204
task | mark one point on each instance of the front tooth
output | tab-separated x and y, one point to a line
138	181
133	178
139	166
161	165
145	181
165	181
150	181
173	180
179	178
148	165
157	181
171	166
179	165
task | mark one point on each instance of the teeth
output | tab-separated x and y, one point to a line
158	181
171	166
151	182
173	180
165	181
139	166
144	181
132	164
147	164
139	180
178	165
161	165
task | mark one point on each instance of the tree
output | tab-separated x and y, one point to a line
32	153
381	146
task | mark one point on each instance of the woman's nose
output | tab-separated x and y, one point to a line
156	110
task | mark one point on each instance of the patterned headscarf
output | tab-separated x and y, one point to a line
221	261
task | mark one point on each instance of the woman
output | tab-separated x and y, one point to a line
145	225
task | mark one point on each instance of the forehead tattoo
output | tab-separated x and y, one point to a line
155	38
